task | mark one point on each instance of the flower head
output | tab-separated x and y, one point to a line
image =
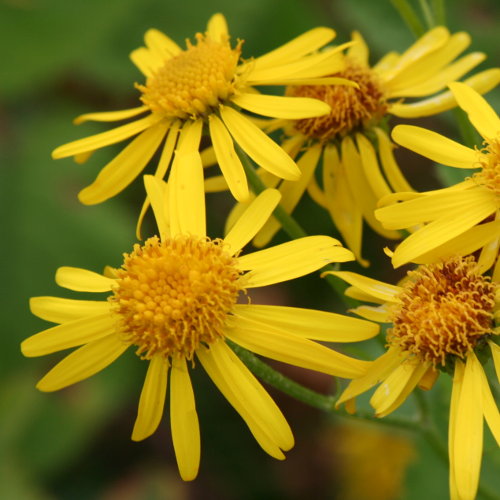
207	85
457	220
442	319
351	143
175	301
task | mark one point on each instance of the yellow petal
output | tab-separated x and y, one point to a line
290	108
217	28
291	260
294	49
495	352
378	289
216	184
70	334
358	294
59	310
292	349
308	323
112	136
435	146
83	363
389	165
455	397
184	421
427	208
376	371
371	167
468	438
248	398
252	220
358	51
480	113
152	399
145	61
110	116
81	280
394	390
482	82
124	167
380	314
228	160
262	149
344	211
490	409
160	45
440	231
291	193
157	191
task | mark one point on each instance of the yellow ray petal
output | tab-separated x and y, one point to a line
360	189
229	163
252	219
426	67
386	63
480	113
248	398
103	139
435	146
428	208
157	191
464	244
440	231
482	82
124	167
296	48
82	280
358	294
380	314
438	81
70	334
389	165
184	421
455	397
308	323
144	61
394	390
291	193
495	352
292	349
358	51
110	116
152	399
378	289
377	371
291	260
468	438
59	310
215	184
160	45
371	167
290	108
83	363
217	28
327	80
490	409
262	149
343	209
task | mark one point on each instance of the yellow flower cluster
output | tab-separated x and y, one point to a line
182	296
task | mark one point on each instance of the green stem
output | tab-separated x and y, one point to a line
409	16
439	12
428	15
291	226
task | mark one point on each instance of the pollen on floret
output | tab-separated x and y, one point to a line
351	108
173	295
195	82
444	310
489	161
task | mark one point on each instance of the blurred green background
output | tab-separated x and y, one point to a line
61	58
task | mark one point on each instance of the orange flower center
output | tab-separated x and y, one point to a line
445	309
351	108
489	175
173	295
193	83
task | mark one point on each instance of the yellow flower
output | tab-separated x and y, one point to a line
441	316
460	219
205	85
175	300
358	165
